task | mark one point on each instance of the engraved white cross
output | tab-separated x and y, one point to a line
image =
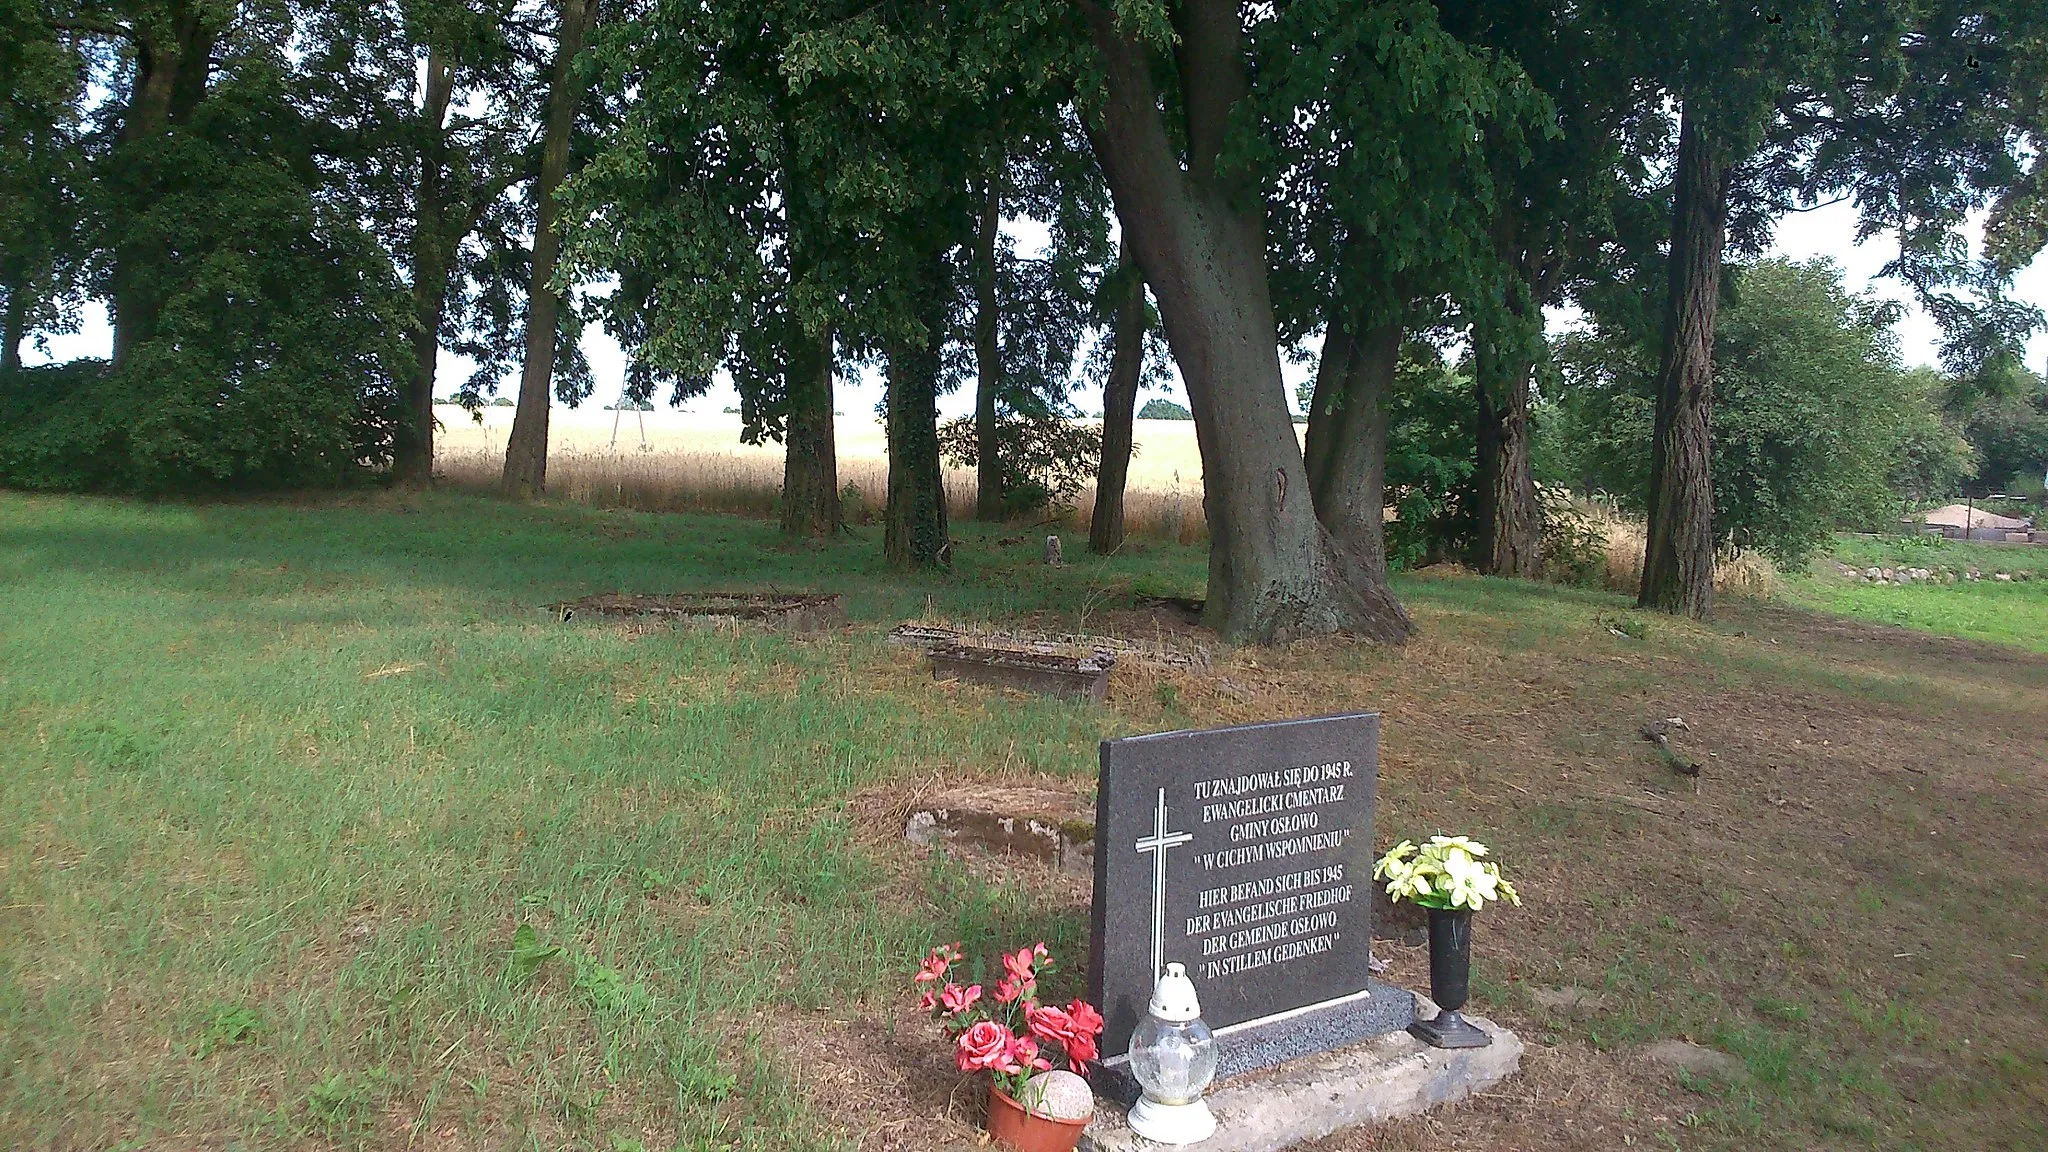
1157	844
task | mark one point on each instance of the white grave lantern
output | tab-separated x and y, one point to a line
1173	1057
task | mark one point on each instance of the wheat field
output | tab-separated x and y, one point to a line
668	461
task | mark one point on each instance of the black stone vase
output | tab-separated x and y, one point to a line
1450	981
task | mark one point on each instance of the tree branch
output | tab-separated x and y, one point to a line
90	26
1212	77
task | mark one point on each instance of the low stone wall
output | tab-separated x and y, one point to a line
1944	575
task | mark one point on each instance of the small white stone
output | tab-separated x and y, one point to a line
1058	1095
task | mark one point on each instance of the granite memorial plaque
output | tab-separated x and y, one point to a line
1246	855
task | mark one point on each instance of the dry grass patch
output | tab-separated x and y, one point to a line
1802	911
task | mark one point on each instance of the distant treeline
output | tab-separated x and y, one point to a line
291	210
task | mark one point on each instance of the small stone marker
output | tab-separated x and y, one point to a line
1245	854
1052	552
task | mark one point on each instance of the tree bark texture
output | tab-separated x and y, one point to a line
1346	454
989	494
1119	410
1199	236
810	462
914	533
1678	563
413	451
1508	521
526	452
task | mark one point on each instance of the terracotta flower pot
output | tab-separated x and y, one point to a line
1013	1126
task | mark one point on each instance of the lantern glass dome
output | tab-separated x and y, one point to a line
1173	1056
1173	1059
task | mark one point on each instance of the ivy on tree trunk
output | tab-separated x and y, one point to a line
14	329
914	533
810	464
173	59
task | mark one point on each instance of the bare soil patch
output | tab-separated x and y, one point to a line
1804	913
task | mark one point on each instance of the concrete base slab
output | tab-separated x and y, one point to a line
1249	1048
1383	1079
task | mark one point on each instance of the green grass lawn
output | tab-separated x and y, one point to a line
281	782
1987	609
317	831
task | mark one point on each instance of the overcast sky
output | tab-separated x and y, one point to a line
1826	231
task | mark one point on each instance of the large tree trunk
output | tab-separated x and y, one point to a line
1346	454
1199	235
1508	522
133	307
914	533
1119	408
989	496
1678	563
526	453
413	452
810	462
172	66
13	328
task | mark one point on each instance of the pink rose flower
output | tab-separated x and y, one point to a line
1060	1026
984	1047
1084	1027
957	999
1023	1054
1051	1024
1008	991
1087	1021
1080	1051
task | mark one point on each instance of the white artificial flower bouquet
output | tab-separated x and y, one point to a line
1448	872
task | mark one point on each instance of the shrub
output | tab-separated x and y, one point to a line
1157	409
1574	543
1430	450
172	423
58	429
1044	461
